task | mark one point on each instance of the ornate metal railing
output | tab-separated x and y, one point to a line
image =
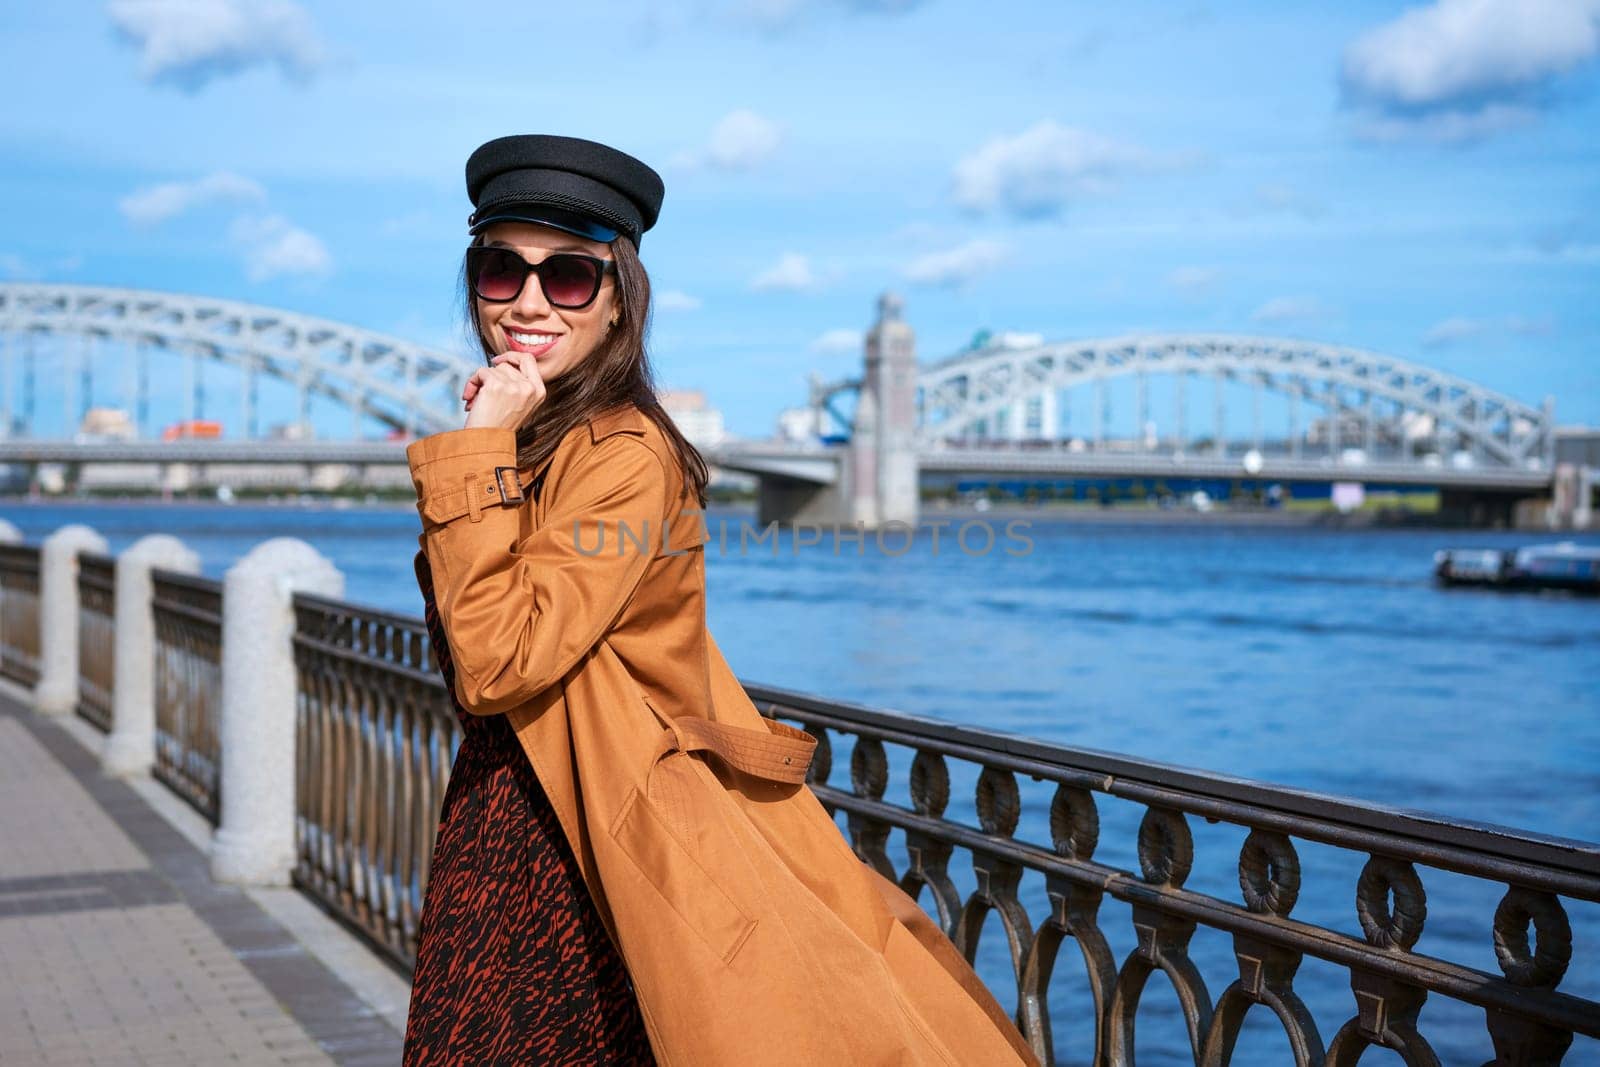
97	638
1034	852
188	685
375	738
19	613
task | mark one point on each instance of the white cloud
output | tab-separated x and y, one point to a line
1194	281
187	43
1571	252
919	232
1529	327
270	244
673	300
1453	330
1573	241
1035	173
836	342
1446	126
1289	309
791	274
1449	331
274	247
412	224
741	140
1274	196
956	267
774	14
21	269
155	204
1457	70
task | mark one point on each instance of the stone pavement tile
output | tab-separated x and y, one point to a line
156	997
66	1054
16	1042
144	959
65	829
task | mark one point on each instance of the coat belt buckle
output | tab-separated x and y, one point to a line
499	481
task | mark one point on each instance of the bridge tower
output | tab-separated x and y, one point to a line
861	463
883	450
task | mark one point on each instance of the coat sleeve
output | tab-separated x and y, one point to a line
520	611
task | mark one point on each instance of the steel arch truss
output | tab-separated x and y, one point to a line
394	382
957	393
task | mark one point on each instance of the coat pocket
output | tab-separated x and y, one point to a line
686	886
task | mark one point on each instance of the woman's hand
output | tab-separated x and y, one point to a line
504	393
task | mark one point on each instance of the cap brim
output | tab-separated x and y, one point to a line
570	222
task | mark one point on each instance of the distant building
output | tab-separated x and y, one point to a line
695	419
106	424
1578	445
1013	339
798	425
187	428
702	425
292	431
1004	339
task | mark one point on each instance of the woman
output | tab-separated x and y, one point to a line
629	864
513	962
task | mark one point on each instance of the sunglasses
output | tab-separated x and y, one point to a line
570	280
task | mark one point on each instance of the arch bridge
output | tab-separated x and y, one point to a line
1313	413
1004	408
72	334
1009	392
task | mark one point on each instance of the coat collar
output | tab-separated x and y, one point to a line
625	419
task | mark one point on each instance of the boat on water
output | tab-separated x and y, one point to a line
1565	565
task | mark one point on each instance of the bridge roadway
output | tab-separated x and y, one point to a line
1284	469
820	465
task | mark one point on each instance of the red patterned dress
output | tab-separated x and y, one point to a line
513	963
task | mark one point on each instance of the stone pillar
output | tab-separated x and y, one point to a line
9	535
254	845
1563	496
131	747
896	348
859	477
57	690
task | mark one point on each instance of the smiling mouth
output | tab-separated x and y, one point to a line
531	342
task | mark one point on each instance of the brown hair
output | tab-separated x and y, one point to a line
616	373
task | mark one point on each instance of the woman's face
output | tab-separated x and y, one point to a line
558	338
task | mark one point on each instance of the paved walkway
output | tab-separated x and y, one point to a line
116	947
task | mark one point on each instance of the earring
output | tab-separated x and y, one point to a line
616	319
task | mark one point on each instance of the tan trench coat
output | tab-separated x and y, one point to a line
752	932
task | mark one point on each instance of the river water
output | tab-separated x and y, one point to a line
1321	659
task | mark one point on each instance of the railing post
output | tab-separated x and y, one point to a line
57	691
131	746
9	535
254	843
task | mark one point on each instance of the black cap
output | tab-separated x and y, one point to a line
579	186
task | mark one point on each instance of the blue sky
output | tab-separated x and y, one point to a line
1417	179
